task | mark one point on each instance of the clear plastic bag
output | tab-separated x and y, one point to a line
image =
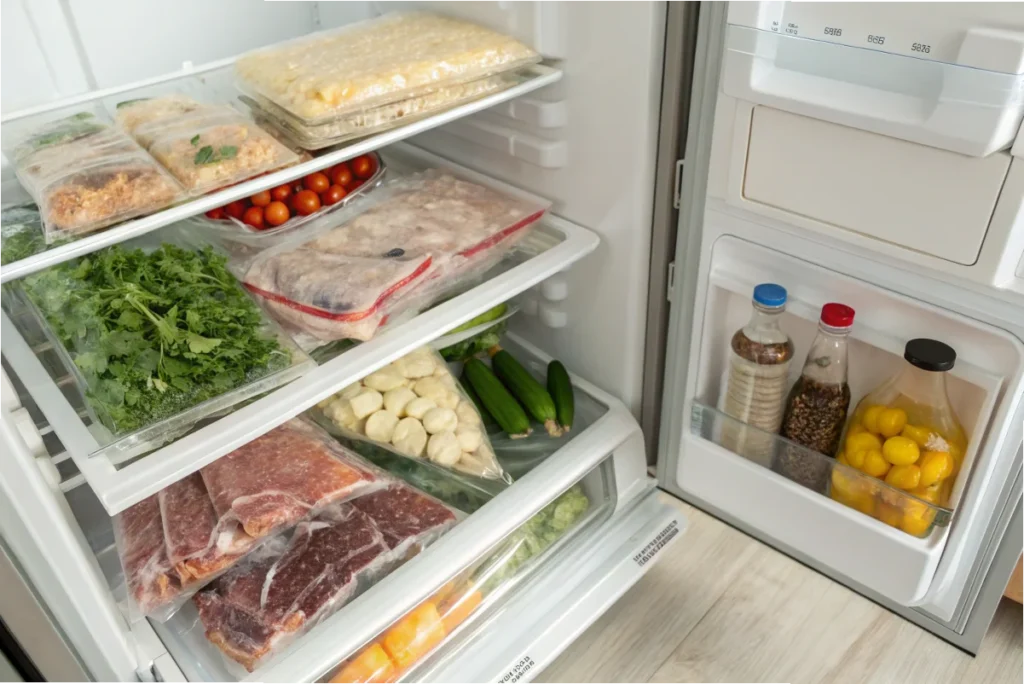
158	340
381	118
85	175
205	147
402	247
320	77
149	575
415	636
21	233
415	407
284	589
276	479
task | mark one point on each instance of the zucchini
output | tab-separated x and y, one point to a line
497	400
485	415
527	390
561	391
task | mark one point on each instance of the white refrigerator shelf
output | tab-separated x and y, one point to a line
212	83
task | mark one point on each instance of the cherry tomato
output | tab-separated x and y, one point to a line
363	166
307	202
355	185
341	175
254	217
261	199
317	182
281	192
236	209
216	214
276	213
332	195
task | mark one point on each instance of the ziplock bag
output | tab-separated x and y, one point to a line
415	407
175	542
85	175
320	77
284	589
21	233
400	248
205	147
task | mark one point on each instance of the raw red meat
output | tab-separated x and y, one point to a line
238	633
148	572
404	515
198	544
276	479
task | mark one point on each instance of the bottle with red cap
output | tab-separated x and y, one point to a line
817	404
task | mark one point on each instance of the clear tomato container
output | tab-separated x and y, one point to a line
906	433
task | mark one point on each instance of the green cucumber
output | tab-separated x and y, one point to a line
485	415
497	400
527	390
560	388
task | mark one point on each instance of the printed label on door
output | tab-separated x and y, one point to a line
518	671
657	544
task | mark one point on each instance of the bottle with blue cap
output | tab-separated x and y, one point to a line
759	357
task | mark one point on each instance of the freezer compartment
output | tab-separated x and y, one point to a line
213	84
605	460
984	387
553	245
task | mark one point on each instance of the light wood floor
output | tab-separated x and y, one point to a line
720	606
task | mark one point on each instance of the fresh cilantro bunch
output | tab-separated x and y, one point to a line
154	334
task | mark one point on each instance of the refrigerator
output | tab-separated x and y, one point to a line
691	151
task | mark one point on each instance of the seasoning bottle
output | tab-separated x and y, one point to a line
817	404
759	356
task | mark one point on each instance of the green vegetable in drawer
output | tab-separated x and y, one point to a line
526	389
499	403
560	388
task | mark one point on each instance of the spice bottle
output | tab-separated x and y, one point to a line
755	391
817	404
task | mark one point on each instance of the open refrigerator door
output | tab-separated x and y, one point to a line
875	510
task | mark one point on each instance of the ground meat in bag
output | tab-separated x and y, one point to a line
148	573
199	544
252	608
333	296
277	479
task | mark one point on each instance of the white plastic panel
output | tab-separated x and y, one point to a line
955	83
919	197
907	570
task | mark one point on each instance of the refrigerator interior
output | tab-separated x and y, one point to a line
808	152
541	143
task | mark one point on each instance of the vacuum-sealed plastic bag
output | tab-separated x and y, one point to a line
320	77
413	240
415	407
150	576
85	175
284	589
277	479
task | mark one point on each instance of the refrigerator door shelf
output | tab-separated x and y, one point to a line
537	622
120	482
966	109
986	387
607	458
213	83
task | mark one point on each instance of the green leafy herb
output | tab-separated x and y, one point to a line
22	234
228	152
195	140
477	344
125	103
154	334
204	155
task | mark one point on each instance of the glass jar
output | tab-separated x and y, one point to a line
759	356
817	404
906	433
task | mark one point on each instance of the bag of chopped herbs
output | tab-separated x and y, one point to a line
21	233
157	335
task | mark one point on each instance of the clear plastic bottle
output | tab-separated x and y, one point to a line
759	357
817	404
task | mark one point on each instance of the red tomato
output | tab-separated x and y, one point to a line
254	217
276	213
341	175
237	208
363	166
216	214
261	199
281	192
332	195
355	185
307	202
317	182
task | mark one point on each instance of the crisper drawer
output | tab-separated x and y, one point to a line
450	588
799	498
